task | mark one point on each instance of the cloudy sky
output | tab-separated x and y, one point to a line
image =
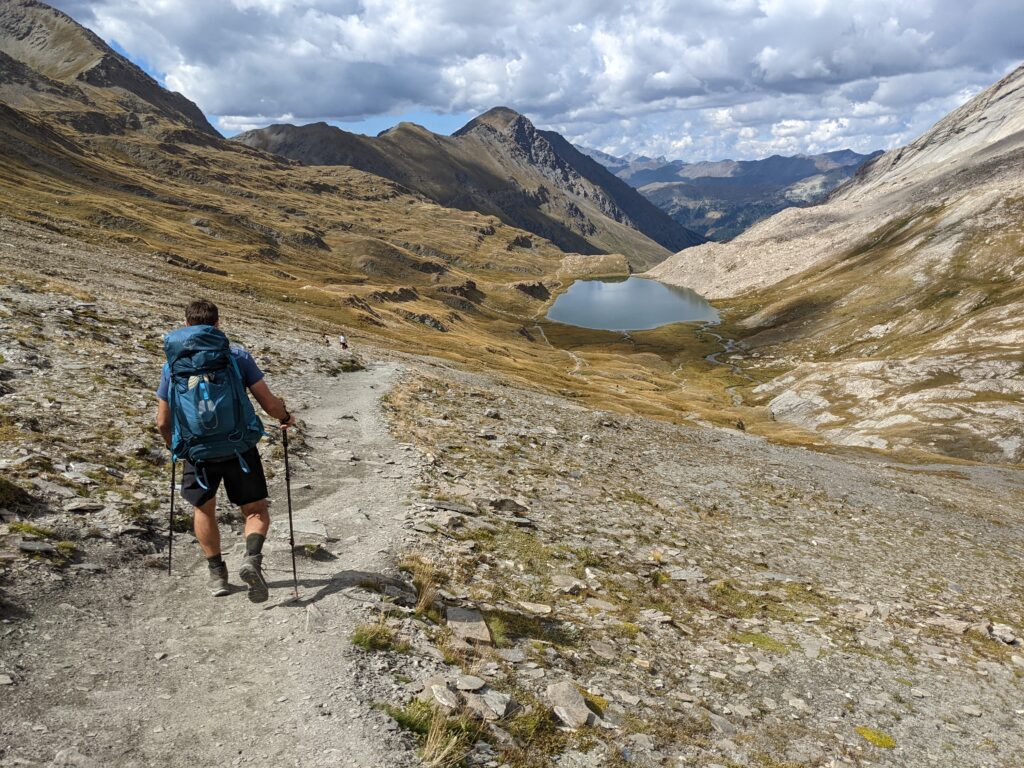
690	79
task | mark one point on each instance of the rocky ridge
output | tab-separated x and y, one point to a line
894	308
86	79
499	164
721	199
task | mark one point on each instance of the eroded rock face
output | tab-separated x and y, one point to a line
976	414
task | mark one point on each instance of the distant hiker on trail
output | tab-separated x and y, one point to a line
343	341
206	418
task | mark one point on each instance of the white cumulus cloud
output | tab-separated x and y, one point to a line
695	79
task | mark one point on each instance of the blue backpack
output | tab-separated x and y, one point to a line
211	415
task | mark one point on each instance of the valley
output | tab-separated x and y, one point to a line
779	529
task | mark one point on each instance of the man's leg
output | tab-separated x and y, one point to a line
257	518
208	534
257	523
246	485
206	528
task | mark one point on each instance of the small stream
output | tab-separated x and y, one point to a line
728	347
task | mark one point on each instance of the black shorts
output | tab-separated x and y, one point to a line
242	487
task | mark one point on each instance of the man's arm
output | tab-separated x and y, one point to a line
272	404
163	421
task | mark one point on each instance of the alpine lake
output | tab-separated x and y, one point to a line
632	304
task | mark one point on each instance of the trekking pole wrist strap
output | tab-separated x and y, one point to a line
287	417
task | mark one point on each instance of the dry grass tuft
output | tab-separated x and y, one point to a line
444	746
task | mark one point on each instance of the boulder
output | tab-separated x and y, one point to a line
569	705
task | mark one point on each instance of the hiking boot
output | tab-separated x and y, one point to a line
251	573
219	581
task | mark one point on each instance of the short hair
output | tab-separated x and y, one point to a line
202	312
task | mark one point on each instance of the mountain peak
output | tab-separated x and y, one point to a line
498	118
408	128
47	40
59	49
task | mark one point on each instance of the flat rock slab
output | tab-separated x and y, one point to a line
445	696
490	705
468	625
536	608
82	504
452	506
37	548
567	584
686	574
469	683
604	650
309	529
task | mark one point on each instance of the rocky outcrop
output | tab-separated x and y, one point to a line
535	290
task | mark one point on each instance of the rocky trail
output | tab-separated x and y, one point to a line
137	668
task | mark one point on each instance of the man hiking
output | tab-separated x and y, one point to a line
205	417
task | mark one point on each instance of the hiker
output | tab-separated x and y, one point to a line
343	341
205	417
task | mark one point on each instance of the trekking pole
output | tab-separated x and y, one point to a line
291	528
170	519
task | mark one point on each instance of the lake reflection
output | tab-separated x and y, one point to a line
633	304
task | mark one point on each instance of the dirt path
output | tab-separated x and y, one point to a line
578	362
138	669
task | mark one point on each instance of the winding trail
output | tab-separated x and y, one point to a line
138	669
578	362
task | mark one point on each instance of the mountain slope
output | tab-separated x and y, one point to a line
498	164
722	199
42	49
899	304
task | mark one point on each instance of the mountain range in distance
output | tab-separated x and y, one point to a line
499	164
720	199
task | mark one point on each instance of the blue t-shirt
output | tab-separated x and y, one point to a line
251	372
